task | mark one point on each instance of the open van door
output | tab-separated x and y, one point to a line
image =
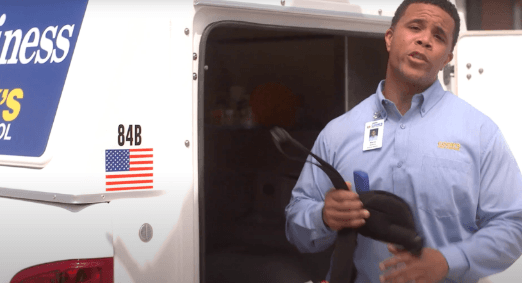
487	75
326	58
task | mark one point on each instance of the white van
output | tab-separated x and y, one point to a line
128	152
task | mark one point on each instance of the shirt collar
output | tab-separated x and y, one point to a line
429	98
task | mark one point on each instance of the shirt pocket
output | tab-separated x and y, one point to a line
445	183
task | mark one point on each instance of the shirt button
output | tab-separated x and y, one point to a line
399	164
403	127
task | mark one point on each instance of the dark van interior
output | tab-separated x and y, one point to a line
252	78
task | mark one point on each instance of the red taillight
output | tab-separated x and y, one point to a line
97	270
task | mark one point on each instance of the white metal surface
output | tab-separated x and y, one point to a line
495	92
78	199
132	65
214	11
332	5
146	79
328	10
34	232
127	69
387	8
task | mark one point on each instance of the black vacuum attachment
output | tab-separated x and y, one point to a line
390	220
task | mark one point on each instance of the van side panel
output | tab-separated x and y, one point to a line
133	66
35	232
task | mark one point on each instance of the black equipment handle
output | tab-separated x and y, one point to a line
280	136
343	267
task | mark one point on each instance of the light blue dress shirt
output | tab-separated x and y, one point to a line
446	159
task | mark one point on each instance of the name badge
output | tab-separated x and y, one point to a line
373	133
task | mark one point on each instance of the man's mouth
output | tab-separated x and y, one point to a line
419	56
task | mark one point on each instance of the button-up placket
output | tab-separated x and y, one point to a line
400	125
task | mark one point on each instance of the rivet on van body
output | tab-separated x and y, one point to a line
468	65
194	76
145	232
102	196
469	76
187	143
481	71
282	2
187	31
380	12
195	56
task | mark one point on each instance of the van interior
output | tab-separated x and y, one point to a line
252	78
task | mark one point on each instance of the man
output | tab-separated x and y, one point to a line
373	135
447	160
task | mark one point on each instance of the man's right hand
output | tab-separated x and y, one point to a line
343	209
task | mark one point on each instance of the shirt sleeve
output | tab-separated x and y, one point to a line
304	222
498	242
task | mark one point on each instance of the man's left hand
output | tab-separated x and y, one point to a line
430	267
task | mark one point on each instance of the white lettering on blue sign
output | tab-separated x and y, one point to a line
23	46
37	42
4	132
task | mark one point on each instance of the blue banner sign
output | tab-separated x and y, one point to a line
37	40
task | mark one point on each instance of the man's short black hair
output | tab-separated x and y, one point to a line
443	4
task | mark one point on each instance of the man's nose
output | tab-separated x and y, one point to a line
424	40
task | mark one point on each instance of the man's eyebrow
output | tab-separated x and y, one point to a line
422	21
417	21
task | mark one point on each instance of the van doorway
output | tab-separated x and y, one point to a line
251	78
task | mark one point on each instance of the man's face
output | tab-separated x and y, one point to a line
373	133
420	44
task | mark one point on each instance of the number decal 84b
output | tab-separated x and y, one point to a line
133	135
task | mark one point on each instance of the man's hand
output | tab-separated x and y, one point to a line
343	209
430	267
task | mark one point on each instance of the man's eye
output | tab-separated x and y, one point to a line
439	38
415	28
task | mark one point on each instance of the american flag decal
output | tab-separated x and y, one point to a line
128	169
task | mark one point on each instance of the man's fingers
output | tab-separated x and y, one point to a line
394	250
343	209
351	223
402	274
402	268
346	206
350	214
345	196
342	195
343	213
402	257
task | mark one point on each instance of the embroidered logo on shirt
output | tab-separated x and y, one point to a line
449	145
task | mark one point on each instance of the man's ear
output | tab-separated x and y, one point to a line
450	57
388	38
